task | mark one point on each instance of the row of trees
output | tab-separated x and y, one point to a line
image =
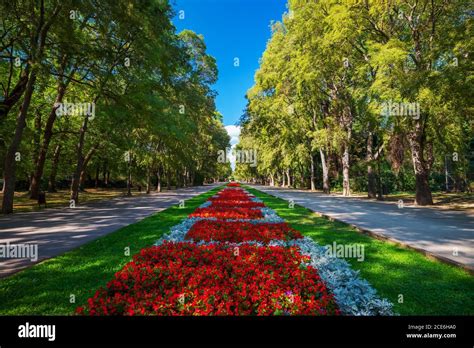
364	89
91	88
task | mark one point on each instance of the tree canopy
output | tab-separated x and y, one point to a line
378	86
94	89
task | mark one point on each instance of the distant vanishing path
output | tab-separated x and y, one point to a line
439	232
59	230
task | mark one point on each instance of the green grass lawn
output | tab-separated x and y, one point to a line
46	288
428	287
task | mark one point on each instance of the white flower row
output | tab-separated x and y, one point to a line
205	204
354	295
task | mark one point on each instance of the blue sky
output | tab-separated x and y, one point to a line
231	28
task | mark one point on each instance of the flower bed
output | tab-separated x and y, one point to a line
228	213
236	232
186	279
234	256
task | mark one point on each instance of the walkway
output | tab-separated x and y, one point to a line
442	233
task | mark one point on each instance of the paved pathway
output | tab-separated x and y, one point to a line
440	232
56	231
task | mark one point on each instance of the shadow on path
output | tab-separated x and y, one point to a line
449	234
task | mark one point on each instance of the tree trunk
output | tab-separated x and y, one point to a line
129	178
379	182
97	173
325	167
185	178
346	190
272	180
423	192
346	121
420	166
85	164
148	180
10	158
283	184
48	134
79	164
168	180
104	173
371	180
158	180
36	142
82	179
313	177
288	177
54	169
176	174
15	95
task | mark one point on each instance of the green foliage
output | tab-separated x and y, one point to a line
151	86
330	66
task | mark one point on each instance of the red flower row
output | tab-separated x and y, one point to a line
219	203
228	213
237	232
233	184
231	194
185	279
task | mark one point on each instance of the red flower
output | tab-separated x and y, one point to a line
227	213
233	184
185	279
232	194
222	203
237	232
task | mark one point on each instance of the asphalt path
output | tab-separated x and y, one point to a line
445	233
